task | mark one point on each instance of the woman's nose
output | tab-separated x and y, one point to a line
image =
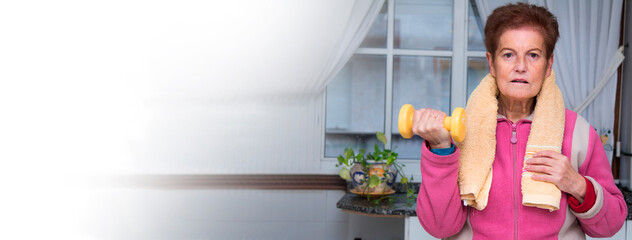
521	65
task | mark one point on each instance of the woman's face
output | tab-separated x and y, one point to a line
520	64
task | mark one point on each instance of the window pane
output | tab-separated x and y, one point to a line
425	24
475	29
376	37
477	69
355	105
423	82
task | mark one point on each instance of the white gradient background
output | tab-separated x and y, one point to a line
99	88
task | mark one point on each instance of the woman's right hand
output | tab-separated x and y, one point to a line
428	124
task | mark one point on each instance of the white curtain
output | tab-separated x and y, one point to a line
586	57
358	26
485	7
286	49
291	50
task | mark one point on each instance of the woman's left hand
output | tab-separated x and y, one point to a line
559	171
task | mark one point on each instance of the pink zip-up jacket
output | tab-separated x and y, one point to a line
442	214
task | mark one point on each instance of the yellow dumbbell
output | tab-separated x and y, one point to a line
455	124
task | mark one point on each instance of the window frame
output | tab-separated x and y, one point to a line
458	88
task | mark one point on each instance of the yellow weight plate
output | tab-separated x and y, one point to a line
457	128
405	121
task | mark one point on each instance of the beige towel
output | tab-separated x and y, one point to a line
478	148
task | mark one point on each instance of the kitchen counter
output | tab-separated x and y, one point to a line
400	207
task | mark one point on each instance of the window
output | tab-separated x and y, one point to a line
477	66
417	52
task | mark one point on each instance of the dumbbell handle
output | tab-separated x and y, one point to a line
455	124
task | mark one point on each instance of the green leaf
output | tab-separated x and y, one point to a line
376	149
391	159
404	180
381	137
360	156
374	180
344	174
341	160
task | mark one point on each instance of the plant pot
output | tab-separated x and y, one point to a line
360	178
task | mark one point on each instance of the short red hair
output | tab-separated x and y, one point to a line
521	15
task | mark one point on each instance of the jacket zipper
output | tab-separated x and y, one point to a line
514	140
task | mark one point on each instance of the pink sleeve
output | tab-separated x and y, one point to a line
607	215
439	206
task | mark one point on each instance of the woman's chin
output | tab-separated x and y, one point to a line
519	96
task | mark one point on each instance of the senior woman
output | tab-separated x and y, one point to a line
520	40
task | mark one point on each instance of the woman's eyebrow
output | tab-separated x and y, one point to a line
511	49
535	49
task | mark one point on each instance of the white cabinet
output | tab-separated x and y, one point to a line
414	231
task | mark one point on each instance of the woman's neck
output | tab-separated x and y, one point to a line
515	109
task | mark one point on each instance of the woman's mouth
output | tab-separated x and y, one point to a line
519	81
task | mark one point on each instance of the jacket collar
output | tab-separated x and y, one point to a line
501	117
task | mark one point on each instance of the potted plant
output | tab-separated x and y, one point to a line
372	174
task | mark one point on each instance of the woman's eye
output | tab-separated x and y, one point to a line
507	55
533	55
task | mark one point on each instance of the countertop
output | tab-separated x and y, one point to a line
401	207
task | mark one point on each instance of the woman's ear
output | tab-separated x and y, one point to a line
549	65
490	61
